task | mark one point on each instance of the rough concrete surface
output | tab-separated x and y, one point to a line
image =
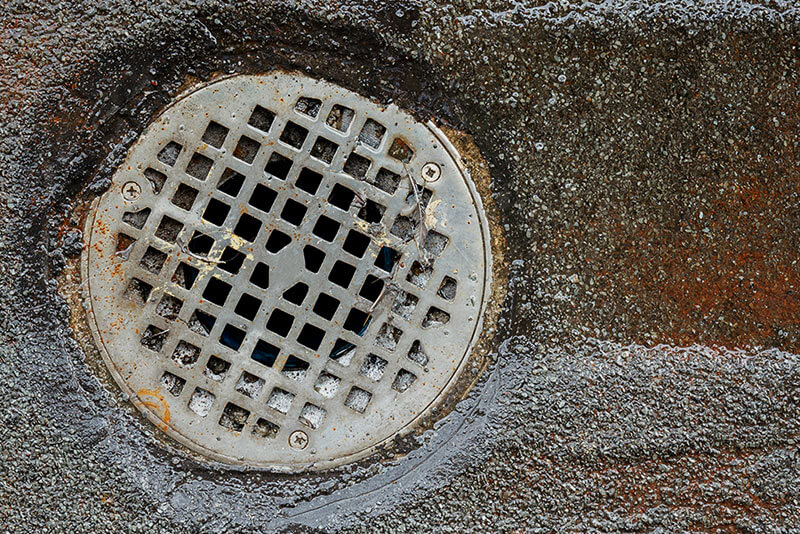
646	163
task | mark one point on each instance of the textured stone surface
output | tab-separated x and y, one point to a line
646	163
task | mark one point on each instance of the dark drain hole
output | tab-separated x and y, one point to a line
248	307
247	228
261	119
246	149
294	135
262	198
277	241
265	353
372	212
200	244
308	181
280	322
260	276
230	182
296	293
326	306
293	212
311	336
313	258
278	166
341	197
326	228
232	260
216	212
217	291
232	337
215	134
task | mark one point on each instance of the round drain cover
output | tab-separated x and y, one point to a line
284	274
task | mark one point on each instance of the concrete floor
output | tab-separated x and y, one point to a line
646	163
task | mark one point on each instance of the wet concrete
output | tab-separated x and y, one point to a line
645	160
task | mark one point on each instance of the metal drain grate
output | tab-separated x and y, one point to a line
285	274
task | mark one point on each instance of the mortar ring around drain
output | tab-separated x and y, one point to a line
284	271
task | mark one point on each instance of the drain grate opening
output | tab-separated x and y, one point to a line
293	273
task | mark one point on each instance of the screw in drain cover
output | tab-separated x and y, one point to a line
281	276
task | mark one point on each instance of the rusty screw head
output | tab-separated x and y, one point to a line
431	172
131	191
298	440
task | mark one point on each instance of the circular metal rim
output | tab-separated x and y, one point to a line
193	446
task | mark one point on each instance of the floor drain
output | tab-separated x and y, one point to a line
285	274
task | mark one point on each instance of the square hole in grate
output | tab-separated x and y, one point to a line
124	244
261	119
358	399
230	182
215	134
136	218
324	150
201	322
341	197
265	353
200	243
340	118
372	288
327	384
356	322
296	293
232	260
295	368
342	352
311	336
184	197
294	135
263	198
169	154
404	227
326	228
419	274
278	166
357	166
308	181
308	106
293	212
185	354
280	400
168	229
280	322
435	317
277	241
387	181
372	133
401	150
435	242
260	276
169	307
232	337
247	307
403	380
373	367
404	304
246	149
247	228
233	417
424	197
356	243
185	275
447	290
371	211
172	383
201	401
312	415
313	258
342	274
326	306
249	385
199	166
387	257
216	291
154	338
388	336
138	291
216	368
216	212
153	260
416	354
156	179
265	429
